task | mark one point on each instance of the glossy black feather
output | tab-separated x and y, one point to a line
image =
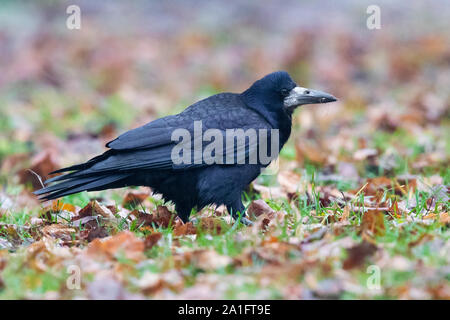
143	156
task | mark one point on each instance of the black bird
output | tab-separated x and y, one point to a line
144	156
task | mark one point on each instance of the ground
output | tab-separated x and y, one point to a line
356	207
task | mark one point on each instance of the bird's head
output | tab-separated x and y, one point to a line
278	91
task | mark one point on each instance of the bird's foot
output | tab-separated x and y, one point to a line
246	222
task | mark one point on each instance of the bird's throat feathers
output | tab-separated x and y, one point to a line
271	109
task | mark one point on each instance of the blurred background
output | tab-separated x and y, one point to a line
64	93
361	181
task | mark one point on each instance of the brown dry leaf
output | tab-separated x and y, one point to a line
150	282
108	132
358	254
316	234
94	233
59	231
441	292
272	251
444	218
91	228
262	223
211	225
143	219
377	185
152	239
278	249
94	208
257	208
44	254
125	243
209	260
372	224
135	197
115	210
182	229
164	217
405	185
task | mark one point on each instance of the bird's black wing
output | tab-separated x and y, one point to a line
150	146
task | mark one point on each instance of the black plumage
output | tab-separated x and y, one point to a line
143	156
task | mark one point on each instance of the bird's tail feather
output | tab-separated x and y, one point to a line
82	178
75	185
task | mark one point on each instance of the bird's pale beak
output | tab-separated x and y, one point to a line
299	96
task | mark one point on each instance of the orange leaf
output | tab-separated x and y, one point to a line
152	239
182	229
135	198
373	224
125	243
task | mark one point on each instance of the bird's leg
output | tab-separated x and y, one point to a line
236	209
183	213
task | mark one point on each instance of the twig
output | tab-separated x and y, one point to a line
38	176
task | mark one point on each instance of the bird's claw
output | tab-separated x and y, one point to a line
245	221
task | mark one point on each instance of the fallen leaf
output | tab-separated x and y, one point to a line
257	208
377	185
135	198
94	232
182	229
143	219
94	208
444	218
125	243
164	217
316	235
59	231
357	255
152	239
150	282
211	225
372	224
209	260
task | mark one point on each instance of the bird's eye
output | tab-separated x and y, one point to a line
307	92
284	92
